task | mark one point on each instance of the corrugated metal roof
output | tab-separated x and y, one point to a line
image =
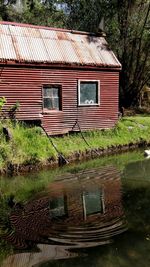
37	44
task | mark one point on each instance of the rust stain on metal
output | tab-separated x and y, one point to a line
62	36
29	43
14	41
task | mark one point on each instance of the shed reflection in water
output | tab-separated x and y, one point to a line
82	210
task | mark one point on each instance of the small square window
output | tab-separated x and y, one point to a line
88	93
58	207
51	97
93	202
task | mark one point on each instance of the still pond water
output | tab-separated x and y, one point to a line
93	214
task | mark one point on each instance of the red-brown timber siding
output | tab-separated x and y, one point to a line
25	85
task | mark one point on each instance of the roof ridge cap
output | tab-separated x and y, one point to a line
48	28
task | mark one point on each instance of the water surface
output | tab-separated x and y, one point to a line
94	213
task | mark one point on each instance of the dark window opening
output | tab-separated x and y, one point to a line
51	97
58	207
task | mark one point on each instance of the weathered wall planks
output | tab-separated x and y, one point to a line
25	85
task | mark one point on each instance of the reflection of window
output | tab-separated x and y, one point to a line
88	93
58	206
93	202
51	97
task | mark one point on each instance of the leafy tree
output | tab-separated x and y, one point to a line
128	31
134	39
83	15
127	27
33	11
43	13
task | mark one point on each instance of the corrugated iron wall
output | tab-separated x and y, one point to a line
25	85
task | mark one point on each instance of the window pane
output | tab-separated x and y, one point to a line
93	202
58	207
51	98
55	92
56	103
51	103
89	93
50	92
47	103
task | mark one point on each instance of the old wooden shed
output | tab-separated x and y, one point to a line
60	77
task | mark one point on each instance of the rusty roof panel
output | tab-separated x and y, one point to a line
83	49
69	52
7	50
53	50
26	43
108	57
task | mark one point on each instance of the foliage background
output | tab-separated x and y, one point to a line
127	25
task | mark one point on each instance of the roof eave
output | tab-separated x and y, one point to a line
59	64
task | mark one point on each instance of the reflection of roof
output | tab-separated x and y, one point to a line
37	44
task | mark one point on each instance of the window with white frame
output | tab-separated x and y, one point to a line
88	92
93	202
51	97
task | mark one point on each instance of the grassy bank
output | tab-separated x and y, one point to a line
28	145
